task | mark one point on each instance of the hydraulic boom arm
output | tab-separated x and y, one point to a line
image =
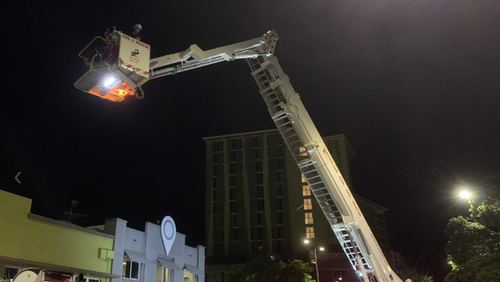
296	128
304	142
194	57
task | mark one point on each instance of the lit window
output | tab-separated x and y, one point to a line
309	232
309	218
190	277
303	179
307	204
164	274
305	190
130	268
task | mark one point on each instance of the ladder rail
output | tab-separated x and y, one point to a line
320	171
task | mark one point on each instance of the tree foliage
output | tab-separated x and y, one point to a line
474	243
414	274
264	269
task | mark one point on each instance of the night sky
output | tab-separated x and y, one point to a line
413	84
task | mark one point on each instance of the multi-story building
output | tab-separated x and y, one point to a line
257	202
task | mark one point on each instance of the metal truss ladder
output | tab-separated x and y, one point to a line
273	83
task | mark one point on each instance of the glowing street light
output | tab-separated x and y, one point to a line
464	194
315	258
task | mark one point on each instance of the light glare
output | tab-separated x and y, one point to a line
109	80
465	194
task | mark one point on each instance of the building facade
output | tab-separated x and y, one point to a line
141	255
111	252
257	202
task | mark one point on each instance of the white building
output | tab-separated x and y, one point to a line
142	257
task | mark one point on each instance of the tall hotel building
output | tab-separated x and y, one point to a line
258	203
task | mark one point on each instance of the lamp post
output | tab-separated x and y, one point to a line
315	258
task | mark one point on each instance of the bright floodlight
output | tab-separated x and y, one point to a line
109	81
465	194
321	248
306	241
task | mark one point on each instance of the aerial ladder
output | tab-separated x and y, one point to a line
115	81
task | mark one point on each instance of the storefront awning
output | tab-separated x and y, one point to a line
135	256
194	269
167	263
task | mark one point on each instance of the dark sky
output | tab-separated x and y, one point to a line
414	85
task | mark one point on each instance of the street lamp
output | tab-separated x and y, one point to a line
464	194
315	258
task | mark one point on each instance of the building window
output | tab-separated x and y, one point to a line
130	268
232	168
214	195
232	193
280	217
232	207
280	204
236	144
258	165
307	204
164	274
260	232
190	277
214	182
279	232
260	178
310	232
281	164
256	154
279	177
309	218
218	146
304	179
233	220
232	180
216	157
260	203
255	141
260	191
260	218
280	190
234	234
306	191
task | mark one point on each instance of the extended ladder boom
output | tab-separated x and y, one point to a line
303	140
194	57
293	122
321	172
